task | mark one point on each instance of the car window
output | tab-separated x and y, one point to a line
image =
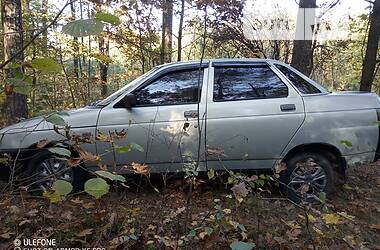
300	83
179	87
241	83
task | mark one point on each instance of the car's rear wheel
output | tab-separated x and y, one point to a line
45	168
307	176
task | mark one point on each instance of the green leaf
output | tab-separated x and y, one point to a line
21	83
60	151
192	233
62	187
128	148
242	227
83	27
240	245
211	174
208	230
346	143
96	187
107	18
137	147
111	176
47	65
56	120
23	89
52	196
4	160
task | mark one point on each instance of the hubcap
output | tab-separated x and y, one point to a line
51	170
308	179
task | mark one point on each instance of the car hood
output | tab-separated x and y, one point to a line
76	118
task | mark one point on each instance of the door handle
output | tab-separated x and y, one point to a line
287	107
191	114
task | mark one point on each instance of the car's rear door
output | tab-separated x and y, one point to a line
252	114
164	121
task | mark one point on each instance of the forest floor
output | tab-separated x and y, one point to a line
210	219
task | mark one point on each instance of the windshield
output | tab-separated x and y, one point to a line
127	87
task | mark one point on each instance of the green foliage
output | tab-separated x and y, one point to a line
46	65
111	176
21	83
60	151
53	197
211	174
347	143
83	27
107	18
56	120
96	187
62	187
129	147
240	245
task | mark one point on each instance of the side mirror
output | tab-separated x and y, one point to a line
129	101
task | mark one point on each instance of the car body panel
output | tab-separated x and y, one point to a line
29	132
158	129
334	118
254	132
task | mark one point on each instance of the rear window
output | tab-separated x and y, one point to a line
300	83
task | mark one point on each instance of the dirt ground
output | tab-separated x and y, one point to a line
211	218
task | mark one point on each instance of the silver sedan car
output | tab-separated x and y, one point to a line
230	114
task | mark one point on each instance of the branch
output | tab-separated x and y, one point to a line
36	35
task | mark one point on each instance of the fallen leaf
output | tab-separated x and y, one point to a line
140	169
280	167
240	190
43	143
73	162
85	232
293	233
24	222
6	235
347	216
331	218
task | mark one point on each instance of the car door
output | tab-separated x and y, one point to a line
163	122
252	114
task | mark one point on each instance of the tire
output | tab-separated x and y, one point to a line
306	177
42	175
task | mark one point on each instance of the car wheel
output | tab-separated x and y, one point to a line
44	169
306	177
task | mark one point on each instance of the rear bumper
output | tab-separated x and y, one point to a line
356	159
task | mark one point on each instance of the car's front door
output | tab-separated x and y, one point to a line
163	121
252	115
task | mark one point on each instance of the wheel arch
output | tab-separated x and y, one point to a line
328	150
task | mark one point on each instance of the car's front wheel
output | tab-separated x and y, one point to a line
307	176
45	168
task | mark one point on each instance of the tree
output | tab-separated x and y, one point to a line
302	58
103	64
75	45
180	29
16	104
369	63
167	31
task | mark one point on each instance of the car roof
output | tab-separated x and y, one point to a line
258	60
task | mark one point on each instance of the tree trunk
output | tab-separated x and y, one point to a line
103	66
369	63
45	13
167	31
302	58
75	45
182	13
16	104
